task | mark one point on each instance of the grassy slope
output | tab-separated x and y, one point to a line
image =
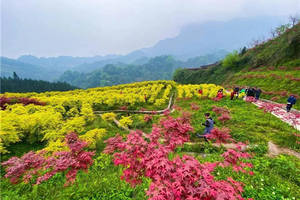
280	175
264	59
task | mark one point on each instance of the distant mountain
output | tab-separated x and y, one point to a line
193	45
157	68
127	59
25	70
62	63
205	38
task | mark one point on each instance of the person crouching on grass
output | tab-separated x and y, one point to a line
209	125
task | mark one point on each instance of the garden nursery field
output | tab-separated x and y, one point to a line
138	141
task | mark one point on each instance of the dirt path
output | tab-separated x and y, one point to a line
274	150
292	118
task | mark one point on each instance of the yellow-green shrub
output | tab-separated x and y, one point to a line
92	136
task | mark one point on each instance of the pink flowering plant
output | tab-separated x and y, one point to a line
147	155
36	167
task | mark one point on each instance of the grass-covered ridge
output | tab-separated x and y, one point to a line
272	65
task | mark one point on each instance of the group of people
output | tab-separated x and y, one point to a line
250	92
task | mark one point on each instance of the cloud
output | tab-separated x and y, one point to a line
91	27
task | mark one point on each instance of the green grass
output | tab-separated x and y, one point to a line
248	123
101	182
280	176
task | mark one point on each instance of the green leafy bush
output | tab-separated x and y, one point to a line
231	60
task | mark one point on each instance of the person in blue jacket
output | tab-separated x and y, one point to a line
290	102
209	125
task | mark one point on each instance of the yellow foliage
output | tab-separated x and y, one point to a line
126	121
56	146
92	136
87	112
73	110
108	116
189	91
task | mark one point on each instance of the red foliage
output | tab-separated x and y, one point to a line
180	178
13	100
178	108
26	166
275	98
33	164
220	135
224	117
216	99
295	79
194	106
142	109
270	107
234	158
271	68
148	118
284	93
224	112
123	108
166	112
220	110
250	99
186	117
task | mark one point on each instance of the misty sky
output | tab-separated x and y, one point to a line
99	27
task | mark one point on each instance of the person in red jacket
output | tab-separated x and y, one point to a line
220	94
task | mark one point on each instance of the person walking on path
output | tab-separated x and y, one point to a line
291	101
257	93
209	125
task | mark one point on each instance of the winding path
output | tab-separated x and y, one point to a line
274	150
292	118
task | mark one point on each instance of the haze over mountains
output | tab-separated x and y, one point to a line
211	41
201	39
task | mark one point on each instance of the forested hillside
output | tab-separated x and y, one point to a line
17	84
158	68
272	65
25	70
